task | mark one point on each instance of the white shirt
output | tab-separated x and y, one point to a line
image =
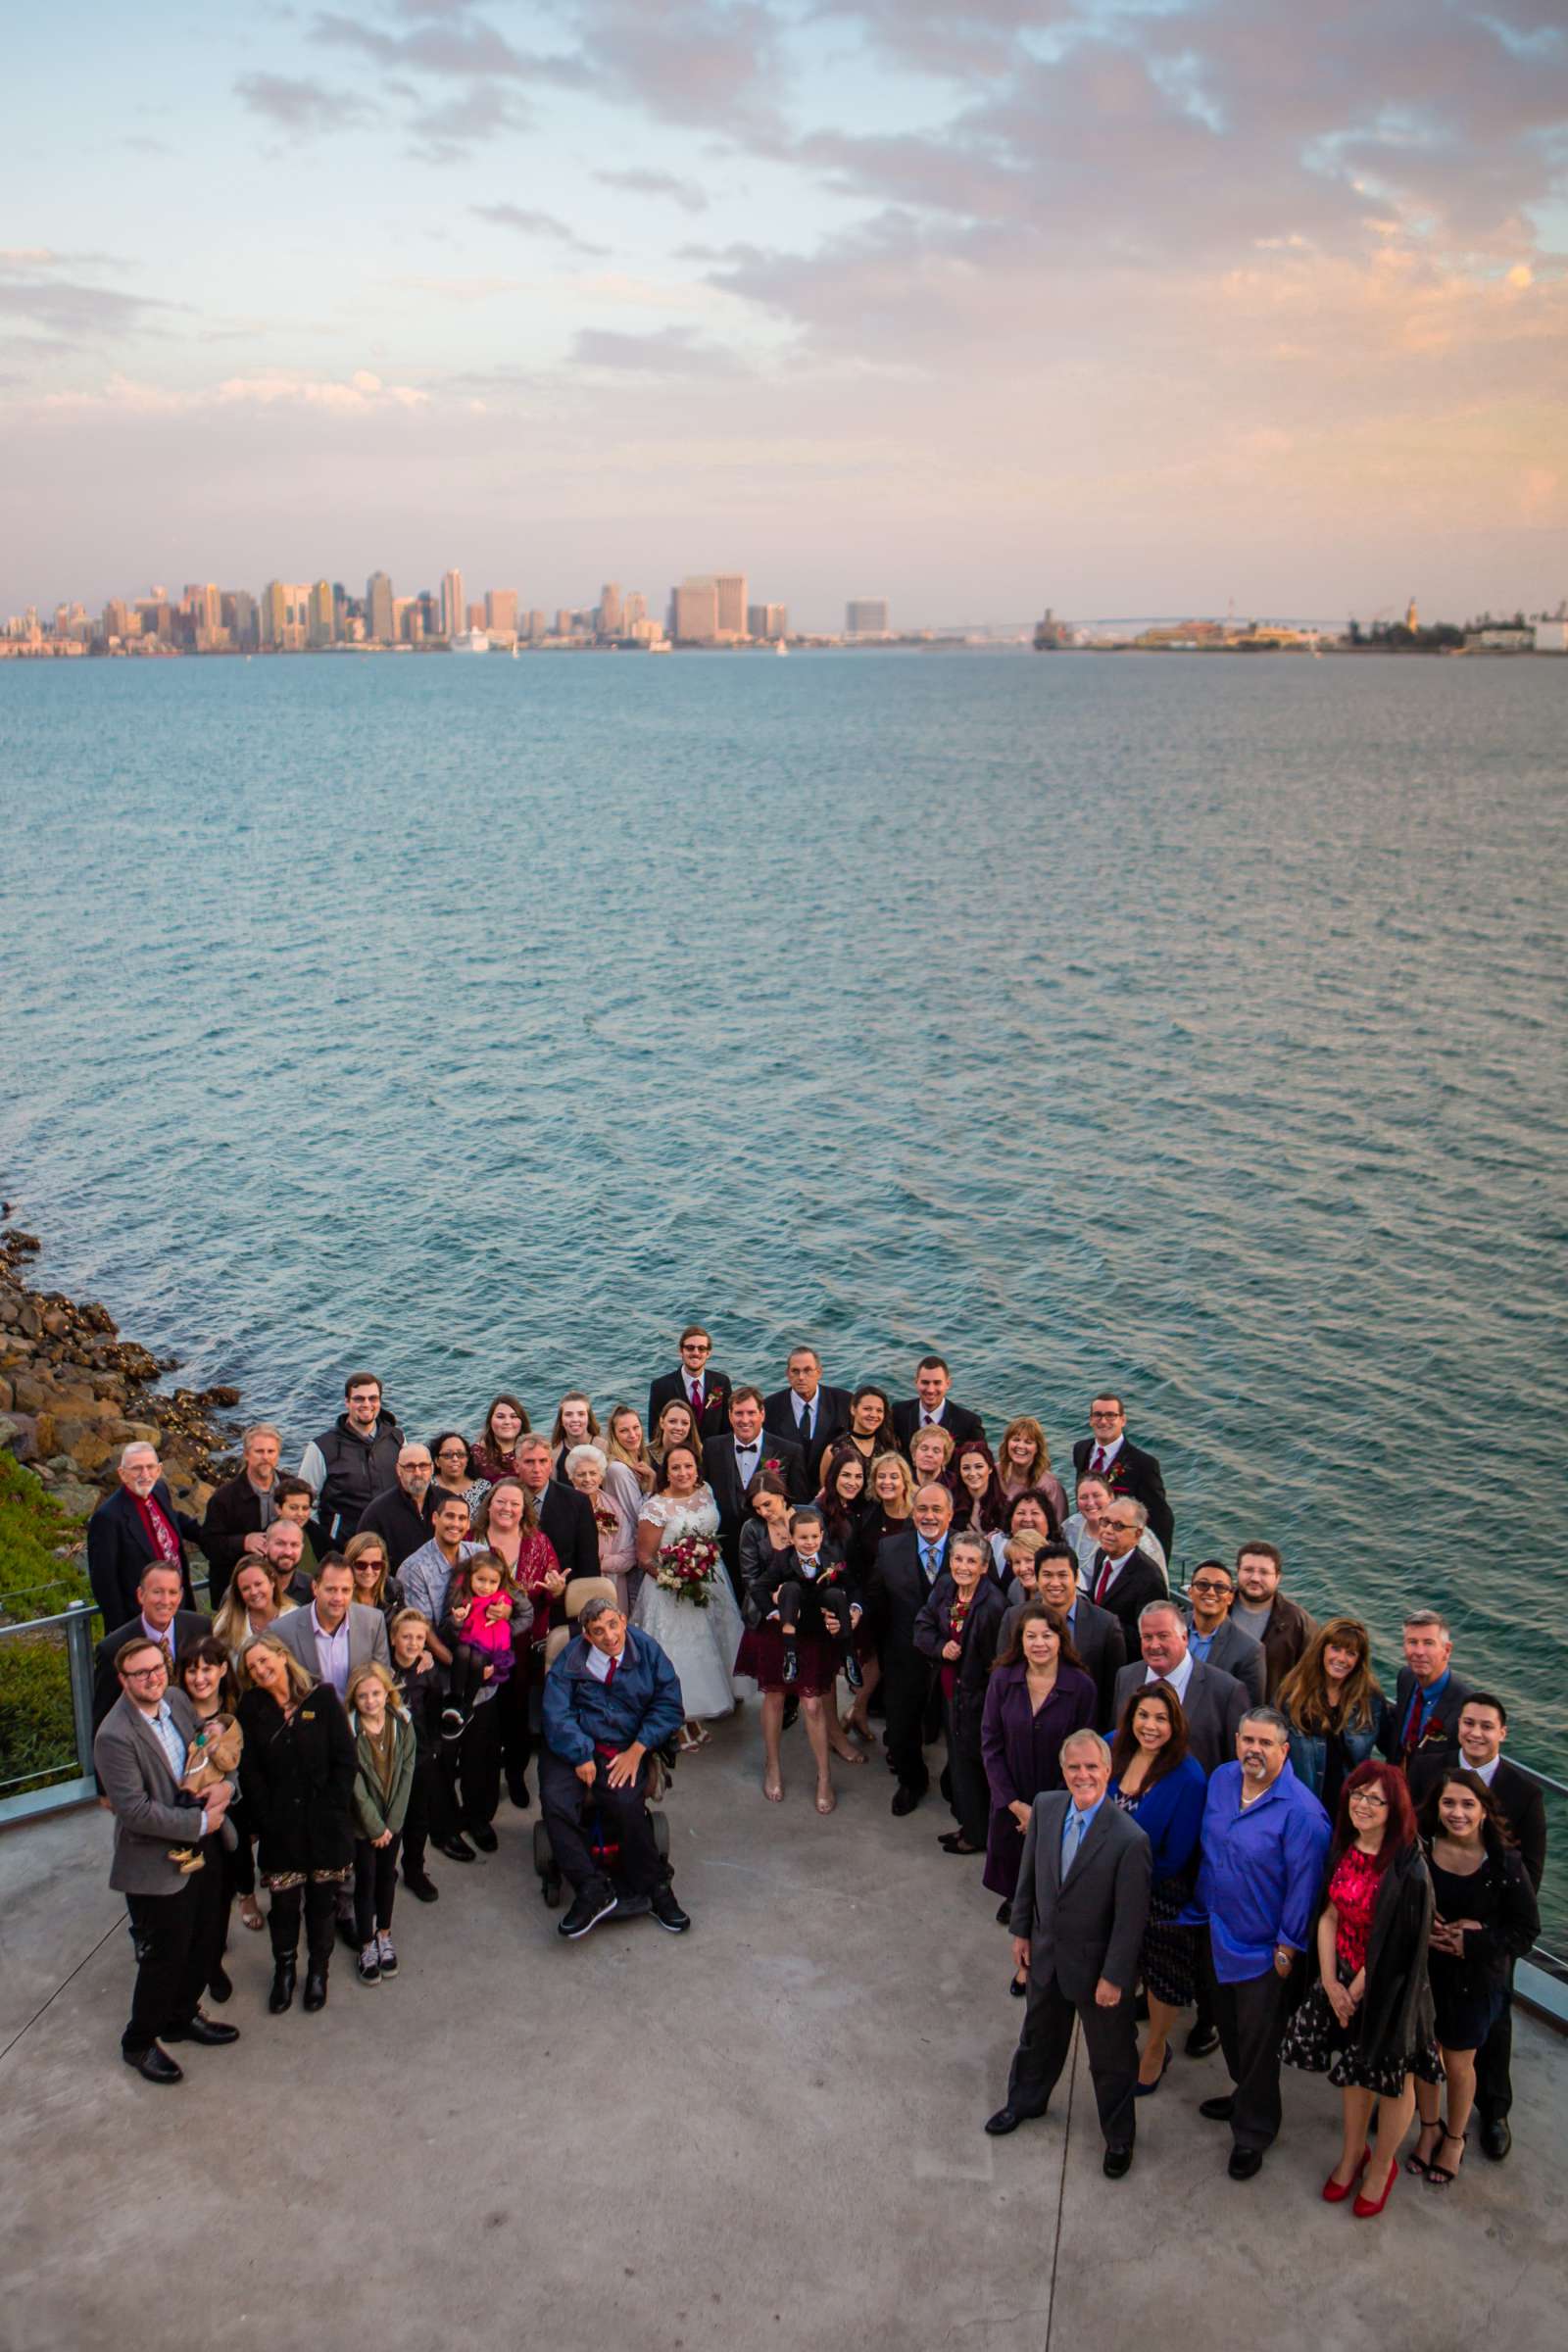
1107	1454
1178	1680
598	1664
1482	1772
929	1420
805	1408
746	1458
1115	1567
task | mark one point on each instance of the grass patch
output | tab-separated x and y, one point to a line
37	1730
34	1530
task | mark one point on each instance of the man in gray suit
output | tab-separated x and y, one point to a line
1213	1637
1212	1701
336	1632
1078	1921
139	1755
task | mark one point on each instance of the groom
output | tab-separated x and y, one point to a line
730	1463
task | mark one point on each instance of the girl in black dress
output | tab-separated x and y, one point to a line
1485	1916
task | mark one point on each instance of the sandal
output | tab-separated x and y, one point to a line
1438	2174
1415	2162
250	1917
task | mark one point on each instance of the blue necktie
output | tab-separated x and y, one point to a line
1072	1837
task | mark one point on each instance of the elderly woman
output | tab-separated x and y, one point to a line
296	1774
250	1605
616	1498
957	1627
1023	1463
624	1442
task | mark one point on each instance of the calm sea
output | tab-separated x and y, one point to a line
1191	1025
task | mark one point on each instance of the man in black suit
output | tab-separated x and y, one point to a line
1482	1726
932	1407
158	1619
809	1415
1097	1635
401	1514
565	1516
730	1463
138	1523
1078	1920
694	1382
1424	1711
907	1565
1107	1453
1212	1701
240	1511
1212	1638
1123	1577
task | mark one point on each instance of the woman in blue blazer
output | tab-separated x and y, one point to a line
1162	1787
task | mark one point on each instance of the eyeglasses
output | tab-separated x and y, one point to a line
141	1674
1208	1584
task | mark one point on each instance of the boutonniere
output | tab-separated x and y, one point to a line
773	1462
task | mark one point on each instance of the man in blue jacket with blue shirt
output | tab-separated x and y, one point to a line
1265	1840
611	1699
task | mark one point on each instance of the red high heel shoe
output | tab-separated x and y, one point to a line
1367	2209
1335	2192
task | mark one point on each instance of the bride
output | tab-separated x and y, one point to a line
700	1643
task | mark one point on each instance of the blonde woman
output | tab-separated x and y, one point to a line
1023	1463
625	1443
296	1774
248	1606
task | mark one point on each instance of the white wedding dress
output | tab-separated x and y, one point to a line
699	1644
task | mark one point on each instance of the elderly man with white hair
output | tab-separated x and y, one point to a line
136	1523
1078	1920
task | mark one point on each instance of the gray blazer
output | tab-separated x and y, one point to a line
1214	1705
368	1643
135	1774
1237	1653
1091	1924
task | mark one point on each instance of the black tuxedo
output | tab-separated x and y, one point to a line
675	1388
957	1419
568	1519
725	1479
900	1590
1139	1583
1133	1473
189	1627
118	1550
831	1409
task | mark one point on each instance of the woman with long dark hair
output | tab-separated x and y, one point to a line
494	1452
1154	1779
979	1504
1367	2021
1484	1915
1333	1707
204	1673
870	1430
1038	1693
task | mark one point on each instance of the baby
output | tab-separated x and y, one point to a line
478	1629
212	1754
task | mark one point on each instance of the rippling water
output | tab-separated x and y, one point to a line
1194	1025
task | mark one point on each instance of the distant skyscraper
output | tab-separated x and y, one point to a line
768	620
538	625
730	588
866	617
323	614
636	609
694	611
611	609
285	617
205	608
379	622
501	612
454	618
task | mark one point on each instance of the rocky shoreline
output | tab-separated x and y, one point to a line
73	1391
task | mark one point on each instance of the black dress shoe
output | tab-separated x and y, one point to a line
422	1890
315	1988
906	1799
1005	2120
347	1936
1217	2110
1004	1914
518	1793
1245	2164
201	2028
1201	2039
1019	1992
220	1984
484	1838
1118	2164
281	1996
455	1849
155	2066
1496	2138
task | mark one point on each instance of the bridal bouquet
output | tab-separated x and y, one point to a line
687	1569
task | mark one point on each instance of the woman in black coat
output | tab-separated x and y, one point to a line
1367	2021
296	1774
959	1627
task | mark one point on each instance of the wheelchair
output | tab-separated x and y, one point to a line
600	1839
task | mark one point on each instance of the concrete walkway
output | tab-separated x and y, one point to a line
764	2133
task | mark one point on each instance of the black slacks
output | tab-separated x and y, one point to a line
568	1808
906	1691
375	1883
430	1812
173	1951
970	1800
1252	2018
472	1766
1110	2040
1494	2064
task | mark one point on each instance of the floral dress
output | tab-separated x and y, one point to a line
1314	2039
698	1643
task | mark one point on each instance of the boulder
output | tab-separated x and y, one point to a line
79	1501
18	1436
27	1393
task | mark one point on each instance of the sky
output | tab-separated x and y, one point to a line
1120	305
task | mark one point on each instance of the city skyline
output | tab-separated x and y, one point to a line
1233	301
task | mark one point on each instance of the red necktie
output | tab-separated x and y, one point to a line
1097	1468
1103	1580
610	1676
697	1400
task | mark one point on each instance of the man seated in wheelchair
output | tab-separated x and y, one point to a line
612	1700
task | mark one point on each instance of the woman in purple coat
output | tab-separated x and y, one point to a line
1038	1694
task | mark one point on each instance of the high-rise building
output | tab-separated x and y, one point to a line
115	618
323	614
453	614
866	617
205	607
770	621
379	625
538	625
694	611
237	611
730	588
636	609
285	617
501	612
611	609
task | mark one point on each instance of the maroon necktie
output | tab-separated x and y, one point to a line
697	1400
610	1676
1103	1580
1097	1468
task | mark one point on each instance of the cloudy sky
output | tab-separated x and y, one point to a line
1128	306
